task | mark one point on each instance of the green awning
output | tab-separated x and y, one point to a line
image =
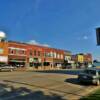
17	61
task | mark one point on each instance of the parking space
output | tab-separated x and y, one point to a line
48	86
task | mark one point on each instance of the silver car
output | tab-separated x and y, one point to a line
7	68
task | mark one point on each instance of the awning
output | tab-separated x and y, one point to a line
16	61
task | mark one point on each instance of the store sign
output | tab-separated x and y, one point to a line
35	60
3	59
31	60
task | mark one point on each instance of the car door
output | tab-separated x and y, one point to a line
99	74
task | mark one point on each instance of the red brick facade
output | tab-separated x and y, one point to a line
88	58
33	55
23	54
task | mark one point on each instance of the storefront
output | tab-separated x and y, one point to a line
18	61
3	59
35	62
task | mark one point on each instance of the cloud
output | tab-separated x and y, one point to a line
85	37
2	34
33	42
46	45
37	43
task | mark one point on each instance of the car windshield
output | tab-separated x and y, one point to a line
92	72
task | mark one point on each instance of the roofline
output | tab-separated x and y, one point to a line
37	45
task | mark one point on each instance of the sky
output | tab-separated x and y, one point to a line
63	24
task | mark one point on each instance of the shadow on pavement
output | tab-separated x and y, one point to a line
70	72
75	81
22	93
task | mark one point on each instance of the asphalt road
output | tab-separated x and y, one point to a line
45	85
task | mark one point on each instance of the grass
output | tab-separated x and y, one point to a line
94	96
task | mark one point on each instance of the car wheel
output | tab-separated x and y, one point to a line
98	82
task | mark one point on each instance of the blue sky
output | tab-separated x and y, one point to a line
64	24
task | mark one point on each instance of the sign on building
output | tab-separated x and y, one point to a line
31	60
3	59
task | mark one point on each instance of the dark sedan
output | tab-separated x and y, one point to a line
90	75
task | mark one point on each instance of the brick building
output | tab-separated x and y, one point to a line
82	59
22	54
29	55
88	58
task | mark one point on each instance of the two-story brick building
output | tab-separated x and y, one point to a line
23	54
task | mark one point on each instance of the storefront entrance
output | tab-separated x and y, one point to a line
17	63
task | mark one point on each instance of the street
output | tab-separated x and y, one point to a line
45	85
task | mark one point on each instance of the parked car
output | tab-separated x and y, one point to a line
7	68
90	75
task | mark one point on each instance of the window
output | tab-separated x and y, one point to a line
34	52
39	54
45	54
61	56
51	54
11	51
31	53
58	56
17	51
99	72
48	55
92	72
55	55
22	52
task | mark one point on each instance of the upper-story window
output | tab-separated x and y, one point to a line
58	56
22	52
61	56
34	52
47	54
31	53
17	51
12	51
51	54
55	54
39	53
